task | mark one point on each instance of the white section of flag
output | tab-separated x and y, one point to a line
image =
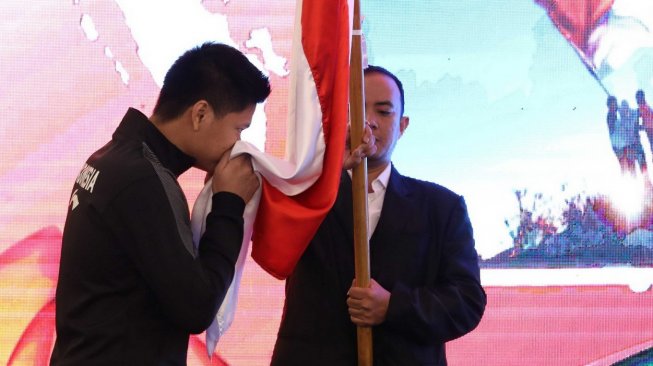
301	167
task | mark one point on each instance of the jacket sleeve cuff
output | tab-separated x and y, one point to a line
227	204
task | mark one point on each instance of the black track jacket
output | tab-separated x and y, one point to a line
131	288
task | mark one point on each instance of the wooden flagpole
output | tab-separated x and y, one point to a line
359	180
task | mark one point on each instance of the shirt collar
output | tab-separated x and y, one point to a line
136	126
381	182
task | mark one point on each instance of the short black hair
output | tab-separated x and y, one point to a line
215	72
370	69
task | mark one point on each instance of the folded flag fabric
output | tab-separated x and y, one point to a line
297	191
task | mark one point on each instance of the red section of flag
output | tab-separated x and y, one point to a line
576	19
285	225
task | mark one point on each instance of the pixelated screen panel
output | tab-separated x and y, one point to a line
507	106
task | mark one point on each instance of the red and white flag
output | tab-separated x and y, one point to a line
290	210
299	190
605	33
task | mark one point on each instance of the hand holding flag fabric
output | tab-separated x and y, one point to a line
235	175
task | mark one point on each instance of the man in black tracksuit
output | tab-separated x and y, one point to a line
131	286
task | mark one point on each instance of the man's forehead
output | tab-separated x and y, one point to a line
381	89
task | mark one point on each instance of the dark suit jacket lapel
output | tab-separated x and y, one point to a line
343	207
396	209
342	217
396	214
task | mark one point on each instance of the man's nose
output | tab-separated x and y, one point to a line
372	123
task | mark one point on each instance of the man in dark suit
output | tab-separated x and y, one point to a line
425	288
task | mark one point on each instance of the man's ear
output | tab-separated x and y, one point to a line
199	113
403	124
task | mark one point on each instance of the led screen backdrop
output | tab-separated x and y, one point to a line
507	101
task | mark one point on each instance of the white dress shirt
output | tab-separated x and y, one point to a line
375	199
